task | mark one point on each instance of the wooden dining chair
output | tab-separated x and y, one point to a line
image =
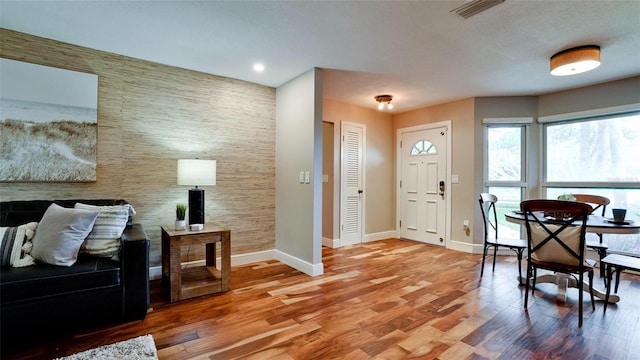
556	241
491	238
600	203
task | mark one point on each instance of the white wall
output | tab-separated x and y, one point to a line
299	148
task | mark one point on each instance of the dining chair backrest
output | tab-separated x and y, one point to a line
601	202
490	223
489	214
560	239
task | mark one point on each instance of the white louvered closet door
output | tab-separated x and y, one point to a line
352	189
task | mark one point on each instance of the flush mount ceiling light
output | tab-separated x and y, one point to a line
575	60
381	99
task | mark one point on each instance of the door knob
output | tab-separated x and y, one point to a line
360	191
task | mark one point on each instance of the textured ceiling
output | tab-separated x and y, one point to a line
418	51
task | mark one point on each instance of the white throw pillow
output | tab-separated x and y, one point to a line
552	251
60	234
104	239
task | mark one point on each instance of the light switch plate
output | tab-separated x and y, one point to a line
301	177
455	179
307	177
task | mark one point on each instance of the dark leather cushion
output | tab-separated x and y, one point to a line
15	213
43	280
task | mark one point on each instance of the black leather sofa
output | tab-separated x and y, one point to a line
53	300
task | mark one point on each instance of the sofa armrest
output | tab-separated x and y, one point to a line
135	272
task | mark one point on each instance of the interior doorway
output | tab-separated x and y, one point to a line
330	185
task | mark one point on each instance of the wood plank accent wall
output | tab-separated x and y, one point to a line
151	115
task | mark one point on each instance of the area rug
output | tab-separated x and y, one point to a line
140	348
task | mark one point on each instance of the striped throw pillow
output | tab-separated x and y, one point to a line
104	238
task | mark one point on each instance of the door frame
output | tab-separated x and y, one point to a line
446	124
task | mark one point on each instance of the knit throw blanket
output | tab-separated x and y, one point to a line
15	245
140	348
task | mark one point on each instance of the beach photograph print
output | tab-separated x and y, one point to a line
48	123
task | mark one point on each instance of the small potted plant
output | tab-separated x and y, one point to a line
181	210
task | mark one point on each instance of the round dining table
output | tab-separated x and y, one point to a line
595	224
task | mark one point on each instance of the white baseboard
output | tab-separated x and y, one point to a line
155	272
299	264
379	236
466	247
335	243
476	248
249	258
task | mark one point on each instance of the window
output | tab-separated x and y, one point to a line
509	199
504	172
596	156
603	150
620	198
504	158
422	147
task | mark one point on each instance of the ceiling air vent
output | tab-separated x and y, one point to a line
475	7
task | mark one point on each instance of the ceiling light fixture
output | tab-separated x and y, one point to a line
258	67
575	60
381	99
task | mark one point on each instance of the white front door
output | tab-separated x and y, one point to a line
423	185
352	187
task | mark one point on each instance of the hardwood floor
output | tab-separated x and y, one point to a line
390	299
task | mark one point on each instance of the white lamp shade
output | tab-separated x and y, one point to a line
196	172
575	60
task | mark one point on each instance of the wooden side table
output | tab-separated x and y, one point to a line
196	280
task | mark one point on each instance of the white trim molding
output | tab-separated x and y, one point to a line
465	247
330	243
508	120
614	110
476	248
379	236
299	264
155	272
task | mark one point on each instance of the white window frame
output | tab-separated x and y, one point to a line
590	115
524	124
520	122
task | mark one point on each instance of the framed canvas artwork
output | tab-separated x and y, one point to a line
48	123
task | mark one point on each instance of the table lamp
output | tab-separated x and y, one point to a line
196	172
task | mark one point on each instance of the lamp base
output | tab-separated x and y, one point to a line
196	206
